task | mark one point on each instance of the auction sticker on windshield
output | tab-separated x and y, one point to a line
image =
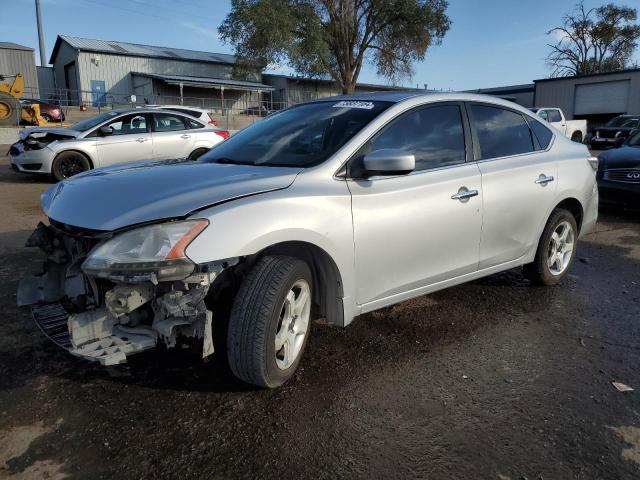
354	104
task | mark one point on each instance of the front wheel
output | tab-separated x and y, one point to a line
270	321
68	164
556	249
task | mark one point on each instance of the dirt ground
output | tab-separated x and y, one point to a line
493	380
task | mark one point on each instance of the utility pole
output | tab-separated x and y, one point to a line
43	57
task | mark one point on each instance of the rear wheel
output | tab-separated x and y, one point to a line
577	137
270	321
556	249
68	164
8	110
197	153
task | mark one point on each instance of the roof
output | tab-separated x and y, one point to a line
325	80
14	46
139	50
397	97
207	82
577	77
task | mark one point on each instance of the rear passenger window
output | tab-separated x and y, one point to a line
542	133
433	134
501	132
167	122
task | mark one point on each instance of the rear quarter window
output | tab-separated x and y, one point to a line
542	133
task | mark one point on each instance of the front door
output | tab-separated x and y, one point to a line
129	141
519	179
171	137
413	230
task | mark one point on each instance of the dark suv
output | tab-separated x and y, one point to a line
615	132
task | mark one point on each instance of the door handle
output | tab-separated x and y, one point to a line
543	179
141	140
464	194
185	136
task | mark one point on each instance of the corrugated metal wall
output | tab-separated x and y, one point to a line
561	92
115	70
14	61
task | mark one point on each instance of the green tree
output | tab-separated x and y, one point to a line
334	38
601	39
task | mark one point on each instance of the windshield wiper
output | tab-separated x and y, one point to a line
229	161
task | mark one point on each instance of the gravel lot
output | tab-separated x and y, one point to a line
494	379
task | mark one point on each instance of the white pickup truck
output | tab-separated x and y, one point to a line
576	130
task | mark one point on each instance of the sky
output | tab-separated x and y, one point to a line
491	43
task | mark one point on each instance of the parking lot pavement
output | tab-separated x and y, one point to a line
494	379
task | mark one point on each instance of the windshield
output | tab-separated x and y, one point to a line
629	122
301	136
89	123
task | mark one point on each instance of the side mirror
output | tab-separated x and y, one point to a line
104	131
389	161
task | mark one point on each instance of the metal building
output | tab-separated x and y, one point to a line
290	90
597	97
97	72
520	94
16	58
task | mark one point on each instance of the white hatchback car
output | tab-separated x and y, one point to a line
113	137
329	209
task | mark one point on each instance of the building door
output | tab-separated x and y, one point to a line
98	94
71	82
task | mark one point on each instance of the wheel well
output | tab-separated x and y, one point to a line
328	293
575	207
76	151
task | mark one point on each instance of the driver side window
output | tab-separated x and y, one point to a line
433	134
129	124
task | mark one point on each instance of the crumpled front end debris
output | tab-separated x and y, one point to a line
106	321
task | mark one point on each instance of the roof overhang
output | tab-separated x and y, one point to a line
205	82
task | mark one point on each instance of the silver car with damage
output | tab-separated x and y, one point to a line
329	209
117	136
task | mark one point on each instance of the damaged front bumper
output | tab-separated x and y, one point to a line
105	320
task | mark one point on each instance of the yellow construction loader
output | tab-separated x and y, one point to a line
10	94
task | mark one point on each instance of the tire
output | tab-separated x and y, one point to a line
256	326
9	109
197	153
67	164
576	137
547	271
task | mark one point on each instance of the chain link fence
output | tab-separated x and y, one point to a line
66	107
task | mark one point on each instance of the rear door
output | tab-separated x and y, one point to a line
415	230
518	181
130	140
171	136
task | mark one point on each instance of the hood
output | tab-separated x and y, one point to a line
116	197
42	131
623	157
614	129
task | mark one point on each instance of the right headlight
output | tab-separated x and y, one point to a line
155	252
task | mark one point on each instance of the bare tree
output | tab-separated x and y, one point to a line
601	39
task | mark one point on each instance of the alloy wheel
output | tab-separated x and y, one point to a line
293	324
560	248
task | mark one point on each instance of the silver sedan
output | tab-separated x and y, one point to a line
118	136
329	209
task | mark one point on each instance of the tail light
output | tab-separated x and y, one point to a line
593	161
223	133
213	123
